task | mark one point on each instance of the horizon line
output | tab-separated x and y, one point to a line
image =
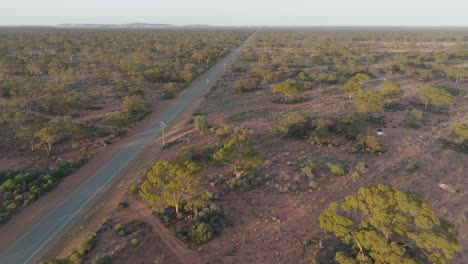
68	25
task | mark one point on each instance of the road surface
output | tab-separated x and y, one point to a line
29	245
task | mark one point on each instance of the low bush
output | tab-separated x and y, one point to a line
369	143
413	118
336	169
56	261
171	90
199	154
224	130
76	258
248	85
134	242
391	90
200	233
201	123
134	190
87	245
457	145
106	259
461	130
118	118
19	189
295	124
323	137
206	221
248	182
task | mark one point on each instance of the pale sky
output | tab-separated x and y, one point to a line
238	12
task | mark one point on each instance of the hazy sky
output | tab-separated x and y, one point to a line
237	12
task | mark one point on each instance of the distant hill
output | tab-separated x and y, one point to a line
131	25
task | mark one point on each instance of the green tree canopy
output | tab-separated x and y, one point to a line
361	78
171	184
240	154
435	95
391	90
388	225
55	130
189	73
351	87
289	89
369	101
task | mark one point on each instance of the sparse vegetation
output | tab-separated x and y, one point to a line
283	140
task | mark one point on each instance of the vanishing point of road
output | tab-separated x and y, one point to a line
30	244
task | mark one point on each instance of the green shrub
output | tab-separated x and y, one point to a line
76	258
87	245
170	90
290	90
462	131
413	117
105	259
134	190
8	186
11	207
134	104
371	144
323	137
248	85
211	214
56	261
352	126
224	130
391	90
201	123
294	124
245	183
336	169
199	154
118	118
134	242
118	227
200	233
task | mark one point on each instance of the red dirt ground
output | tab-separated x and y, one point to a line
269	226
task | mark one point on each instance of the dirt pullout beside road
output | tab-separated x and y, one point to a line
25	243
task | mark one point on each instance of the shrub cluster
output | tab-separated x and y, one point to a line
207	222
78	256
328	130
18	189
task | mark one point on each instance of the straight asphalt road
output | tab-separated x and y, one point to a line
29	245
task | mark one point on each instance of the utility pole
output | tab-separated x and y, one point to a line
163	126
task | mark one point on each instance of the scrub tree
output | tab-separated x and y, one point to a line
382	224
171	184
